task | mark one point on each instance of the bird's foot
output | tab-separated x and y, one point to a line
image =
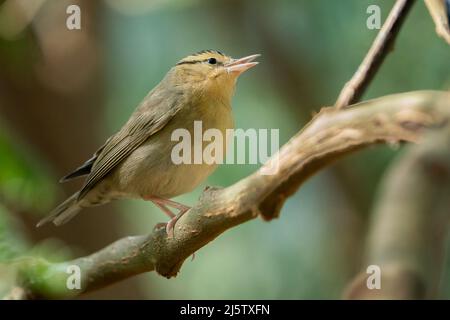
164	205
170	226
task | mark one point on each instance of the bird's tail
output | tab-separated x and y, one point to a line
63	213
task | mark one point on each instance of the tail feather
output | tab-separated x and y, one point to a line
62	213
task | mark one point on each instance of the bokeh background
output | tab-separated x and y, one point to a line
62	93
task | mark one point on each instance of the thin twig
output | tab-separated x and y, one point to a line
440	14
355	88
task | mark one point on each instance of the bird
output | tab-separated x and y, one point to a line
136	162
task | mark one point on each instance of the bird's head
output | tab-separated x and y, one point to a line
212	72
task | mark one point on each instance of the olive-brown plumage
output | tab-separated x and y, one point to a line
136	161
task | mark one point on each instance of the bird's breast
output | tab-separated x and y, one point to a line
155	169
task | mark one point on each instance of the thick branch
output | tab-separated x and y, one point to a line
409	231
382	45
330	135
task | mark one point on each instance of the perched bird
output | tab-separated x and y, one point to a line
136	161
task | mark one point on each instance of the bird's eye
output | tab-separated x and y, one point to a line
212	61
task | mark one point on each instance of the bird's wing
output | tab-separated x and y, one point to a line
85	168
137	130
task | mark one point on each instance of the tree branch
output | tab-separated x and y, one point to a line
382	45
408	235
440	15
330	134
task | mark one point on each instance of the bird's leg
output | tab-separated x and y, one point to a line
182	210
164	209
174	204
163	204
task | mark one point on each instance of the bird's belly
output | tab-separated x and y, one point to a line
151	170
174	180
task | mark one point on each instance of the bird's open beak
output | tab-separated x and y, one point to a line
238	66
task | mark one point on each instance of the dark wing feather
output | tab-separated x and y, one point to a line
81	171
144	123
85	168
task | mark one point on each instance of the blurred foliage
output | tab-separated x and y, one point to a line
12	245
313	249
25	181
12	241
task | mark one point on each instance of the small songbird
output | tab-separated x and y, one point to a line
136	162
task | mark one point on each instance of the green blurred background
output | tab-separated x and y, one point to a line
62	93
